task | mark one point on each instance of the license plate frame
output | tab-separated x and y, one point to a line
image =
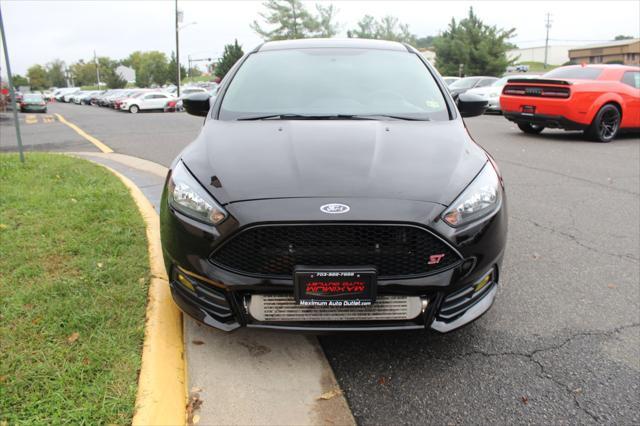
528	110
335	286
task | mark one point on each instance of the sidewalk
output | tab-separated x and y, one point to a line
246	377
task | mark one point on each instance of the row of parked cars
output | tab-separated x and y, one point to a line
601	100
488	88
132	100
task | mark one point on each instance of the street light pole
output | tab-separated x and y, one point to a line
11	89
177	51
95	59
546	41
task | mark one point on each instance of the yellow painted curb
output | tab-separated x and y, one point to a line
162	385
101	146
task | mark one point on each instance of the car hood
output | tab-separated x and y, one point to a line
423	161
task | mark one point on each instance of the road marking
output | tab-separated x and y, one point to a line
101	146
31	119
162	396
48	119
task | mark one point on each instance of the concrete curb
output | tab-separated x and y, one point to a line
259	377
161	397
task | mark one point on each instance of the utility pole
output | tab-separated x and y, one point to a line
189	69
12	90
95	60
546	42
177	50
295	21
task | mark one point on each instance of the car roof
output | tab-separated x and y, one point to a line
313	43
604	66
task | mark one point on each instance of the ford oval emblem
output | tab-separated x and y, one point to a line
335	208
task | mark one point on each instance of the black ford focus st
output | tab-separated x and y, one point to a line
334	186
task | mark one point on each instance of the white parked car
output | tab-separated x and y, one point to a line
450	80
492	93
147	101
67	96
76	98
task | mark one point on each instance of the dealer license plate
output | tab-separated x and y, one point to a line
335	287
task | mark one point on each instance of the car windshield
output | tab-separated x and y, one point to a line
33	97
331	82
464	83
578	73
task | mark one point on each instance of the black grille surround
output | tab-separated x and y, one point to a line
274	250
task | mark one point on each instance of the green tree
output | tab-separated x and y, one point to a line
113	80
622	37
151	68
424	42
84	73
19	80
289	19
37	76
481	48
55	73
108	74
170	75
232	52
327	25
386	28
194	71
366	28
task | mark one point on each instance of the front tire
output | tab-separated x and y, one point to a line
605	125
530	128
133	109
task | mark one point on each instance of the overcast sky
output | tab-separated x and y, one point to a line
39	31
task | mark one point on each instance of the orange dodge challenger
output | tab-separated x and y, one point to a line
599	99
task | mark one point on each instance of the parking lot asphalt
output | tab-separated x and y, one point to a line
562	342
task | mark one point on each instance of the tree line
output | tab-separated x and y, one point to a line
481	48
153	68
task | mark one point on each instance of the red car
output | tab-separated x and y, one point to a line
601	100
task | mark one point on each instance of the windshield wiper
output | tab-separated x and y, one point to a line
331	117
394	117
284	117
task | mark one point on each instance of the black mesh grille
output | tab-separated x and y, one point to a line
274	251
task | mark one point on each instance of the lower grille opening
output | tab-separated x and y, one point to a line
276	307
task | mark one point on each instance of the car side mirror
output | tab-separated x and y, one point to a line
471	105
197	104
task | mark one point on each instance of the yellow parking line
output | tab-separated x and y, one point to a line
101	146
31	119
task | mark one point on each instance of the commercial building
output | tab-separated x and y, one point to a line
620	52
126	73
556	55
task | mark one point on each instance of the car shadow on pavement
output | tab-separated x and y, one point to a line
575	136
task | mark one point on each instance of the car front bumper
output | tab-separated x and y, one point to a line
450	298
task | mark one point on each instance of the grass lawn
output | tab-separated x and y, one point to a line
74	274
538	66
